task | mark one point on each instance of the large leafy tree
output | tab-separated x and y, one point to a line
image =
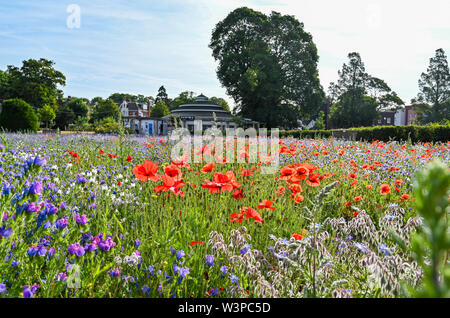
46	114
79	108
36	82
4	84
358	96
268	65
160	109
105	108
433	100
64	116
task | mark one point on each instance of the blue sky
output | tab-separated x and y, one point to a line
137	46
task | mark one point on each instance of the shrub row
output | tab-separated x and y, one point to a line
415	133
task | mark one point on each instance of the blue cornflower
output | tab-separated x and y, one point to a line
35	188
180	254
224	270
5	233
234	279
384	249
137	242
361	247
245	249
3	289
210	260
214	292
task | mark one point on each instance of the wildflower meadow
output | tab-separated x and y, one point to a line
117	216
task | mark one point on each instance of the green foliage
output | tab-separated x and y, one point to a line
354	110
434	85
79	108
184	98
268	64
105	108
358	96
46	114
431	244
119	97
160	109
430	133
4	84
162	95
36	82
320	122
220	101
64	117
18	115
305	133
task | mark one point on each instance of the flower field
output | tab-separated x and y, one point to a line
109	216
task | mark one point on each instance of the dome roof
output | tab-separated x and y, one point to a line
202	108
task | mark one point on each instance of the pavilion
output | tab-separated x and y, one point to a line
204	110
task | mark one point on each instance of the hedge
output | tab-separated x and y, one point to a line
415	133
18	115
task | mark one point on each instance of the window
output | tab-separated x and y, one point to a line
388	120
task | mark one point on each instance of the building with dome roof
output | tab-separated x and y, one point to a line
203	109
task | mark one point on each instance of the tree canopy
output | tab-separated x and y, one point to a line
268	65
36	82
433	100
358	96
105	108
79	107
160	109
46	114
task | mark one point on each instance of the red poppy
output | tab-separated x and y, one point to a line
222	182
313	180
357	198
280	190
208	167
246	172
173	171
170	184
196	242
248	213
147	171
266	204
385	189
238	194
129	159
298	198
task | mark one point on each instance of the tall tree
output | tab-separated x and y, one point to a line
46	114
79	108
105	108
36	82
358	96
268	65
162	95
160	110
434	89
4	84
64	116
